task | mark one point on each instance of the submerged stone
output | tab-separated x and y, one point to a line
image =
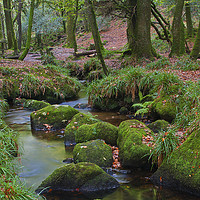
95	151
182	171
132	152
100	130
52	117
71	129
82	177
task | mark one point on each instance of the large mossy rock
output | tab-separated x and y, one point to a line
182	171
132	152
52	117
95	151
100	130
159	125
84	177
71	129
35	105
164	108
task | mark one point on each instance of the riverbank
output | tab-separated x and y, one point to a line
11	187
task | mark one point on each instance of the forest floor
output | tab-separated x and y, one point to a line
114	39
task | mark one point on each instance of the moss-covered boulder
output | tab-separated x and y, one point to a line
52	117
71	129
164	108
100	130
82	177
159	125
95	151
132	152
182	171
35	105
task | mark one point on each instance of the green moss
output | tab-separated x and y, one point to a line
55	116
78	120
73	176
164	108
95	151
182	169
133	153
159	125
35	105
100	130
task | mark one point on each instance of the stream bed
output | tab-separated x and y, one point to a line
42	154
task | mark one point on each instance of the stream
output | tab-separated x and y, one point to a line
43	153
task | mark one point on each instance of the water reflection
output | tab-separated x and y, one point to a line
42	155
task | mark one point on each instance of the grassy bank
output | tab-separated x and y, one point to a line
11	187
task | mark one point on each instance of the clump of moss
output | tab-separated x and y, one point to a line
35	105
77	121
133	153
86	177
164	108
159	125
95	151
52	117
181	171
100	130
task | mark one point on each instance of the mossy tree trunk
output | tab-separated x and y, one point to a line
196	49
1	21
12	41
72	17
178	44
63	21
8	20
19	22
143	25
138	28
131	24
188	20
30	23
95	33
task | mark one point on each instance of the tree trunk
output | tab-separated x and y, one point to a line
188	20
131	24
1	21
8	20
196	49
178	44
63	21
143	25
30	23
95	33
138	28
71	27
19	22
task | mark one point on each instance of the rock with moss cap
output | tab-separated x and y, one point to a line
159	125
100	130
95	151
164	108
82	177
71	129
52	117
35	105
133	153
181	171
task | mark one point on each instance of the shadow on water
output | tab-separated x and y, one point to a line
43	152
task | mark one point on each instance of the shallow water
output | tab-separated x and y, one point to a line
42	154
